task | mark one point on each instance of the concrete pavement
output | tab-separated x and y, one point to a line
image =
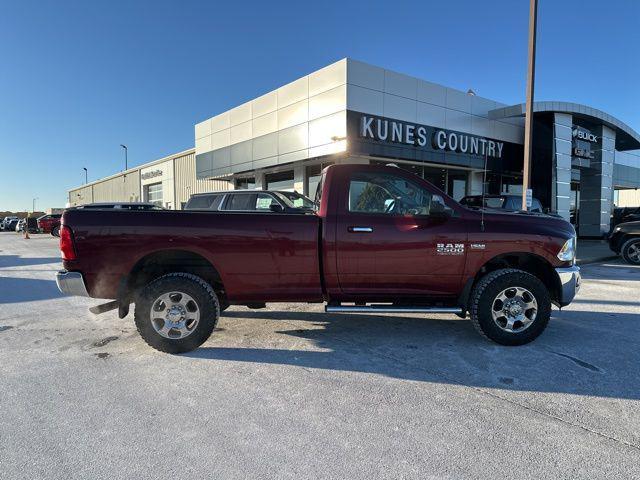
290	392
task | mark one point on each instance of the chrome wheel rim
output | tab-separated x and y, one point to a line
633	252
514	309
174	315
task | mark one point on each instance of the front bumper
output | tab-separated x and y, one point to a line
71	283
570	280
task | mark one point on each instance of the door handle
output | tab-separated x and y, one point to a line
360	229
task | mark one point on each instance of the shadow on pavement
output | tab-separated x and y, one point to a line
17	290
610	271
573	356
18	261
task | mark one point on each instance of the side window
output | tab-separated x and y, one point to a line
386	193
203	202
240	201
216	202
264	202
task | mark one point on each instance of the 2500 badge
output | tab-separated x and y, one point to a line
450	248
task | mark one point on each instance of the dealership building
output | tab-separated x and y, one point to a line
583	161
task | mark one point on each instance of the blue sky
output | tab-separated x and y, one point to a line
79	78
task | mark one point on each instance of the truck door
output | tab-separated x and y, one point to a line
394	236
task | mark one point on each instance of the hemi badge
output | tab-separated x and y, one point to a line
477	246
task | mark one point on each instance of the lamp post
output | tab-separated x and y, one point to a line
33	205
528	118
126	160
86	178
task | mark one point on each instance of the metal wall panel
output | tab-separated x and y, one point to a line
132	187
186	183
123	188
81	195
284	112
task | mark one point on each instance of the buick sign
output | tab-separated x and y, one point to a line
584	134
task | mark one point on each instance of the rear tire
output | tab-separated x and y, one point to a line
510	307
55	231
176	313
631	251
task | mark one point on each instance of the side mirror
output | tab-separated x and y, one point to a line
276	208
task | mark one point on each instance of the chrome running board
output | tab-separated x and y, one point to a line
390	309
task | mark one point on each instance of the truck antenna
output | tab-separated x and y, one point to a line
484	183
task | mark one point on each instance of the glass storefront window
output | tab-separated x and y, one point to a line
492	184
511	184
313	175
245	183
456	184
280	181
415	169
437	177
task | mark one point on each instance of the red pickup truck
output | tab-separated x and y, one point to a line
381	240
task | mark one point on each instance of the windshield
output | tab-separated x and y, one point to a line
296	200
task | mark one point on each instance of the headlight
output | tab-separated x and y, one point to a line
568	250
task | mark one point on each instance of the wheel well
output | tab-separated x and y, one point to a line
528	262
160	263
625	238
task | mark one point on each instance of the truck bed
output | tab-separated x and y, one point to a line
259	256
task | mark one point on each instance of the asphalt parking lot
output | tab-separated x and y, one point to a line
290	392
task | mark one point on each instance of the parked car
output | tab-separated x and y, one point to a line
30	224
251	201
50	223
381	240
121	206
10	224
625	241
511	203
624	215
4	225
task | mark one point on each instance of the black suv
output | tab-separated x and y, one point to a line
624	215
251	201
625	241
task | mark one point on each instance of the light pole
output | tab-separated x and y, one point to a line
126	160
86	178
33	205
528	118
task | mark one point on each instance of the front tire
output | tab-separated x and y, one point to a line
177	312
631	251
510	307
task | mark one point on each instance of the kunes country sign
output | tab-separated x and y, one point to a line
394	131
